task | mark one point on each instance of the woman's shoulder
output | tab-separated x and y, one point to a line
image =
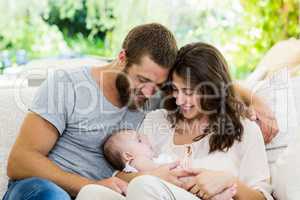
251	129
252	134
156	120
157	127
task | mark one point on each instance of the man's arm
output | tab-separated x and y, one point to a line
28	157
262	114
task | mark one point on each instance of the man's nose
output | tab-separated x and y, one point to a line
148	90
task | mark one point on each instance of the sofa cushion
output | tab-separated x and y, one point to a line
286	176
13	107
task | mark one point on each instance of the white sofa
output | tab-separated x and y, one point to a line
12	113
13	104
16	94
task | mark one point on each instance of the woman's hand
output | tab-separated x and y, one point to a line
209	183
170	173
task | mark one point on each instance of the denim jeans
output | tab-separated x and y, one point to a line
35	189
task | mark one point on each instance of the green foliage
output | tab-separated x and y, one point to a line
53	27
242	29
23	28
265	22
130	13
88	17
86	46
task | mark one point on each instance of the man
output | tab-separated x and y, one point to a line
58	150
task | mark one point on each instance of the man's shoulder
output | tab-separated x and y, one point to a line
73	75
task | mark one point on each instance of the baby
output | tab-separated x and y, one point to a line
129	151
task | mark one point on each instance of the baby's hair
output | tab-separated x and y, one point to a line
112	153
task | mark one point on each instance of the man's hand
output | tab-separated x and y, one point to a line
115	184
260	112
265	119
170	173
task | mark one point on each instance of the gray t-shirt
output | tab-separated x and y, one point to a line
73	102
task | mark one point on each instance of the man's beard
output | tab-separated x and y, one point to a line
133	99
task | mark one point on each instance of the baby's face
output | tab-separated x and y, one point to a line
136	144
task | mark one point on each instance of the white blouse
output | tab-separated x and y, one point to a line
246	159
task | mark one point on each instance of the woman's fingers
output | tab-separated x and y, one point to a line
190	184
176	182
170	173
195	190
228	193
198	192
180	173
195	171
172	166
203	195
213	182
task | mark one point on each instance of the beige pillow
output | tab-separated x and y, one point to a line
283	54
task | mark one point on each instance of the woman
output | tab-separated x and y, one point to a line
204	120
203	124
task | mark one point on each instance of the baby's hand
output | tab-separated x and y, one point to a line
227	194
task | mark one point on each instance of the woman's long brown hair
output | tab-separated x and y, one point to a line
205	69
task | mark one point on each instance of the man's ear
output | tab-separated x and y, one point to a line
127	156
122	57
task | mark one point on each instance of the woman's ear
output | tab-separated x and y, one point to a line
127	156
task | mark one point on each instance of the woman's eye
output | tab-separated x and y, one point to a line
174	89
175	92
189	92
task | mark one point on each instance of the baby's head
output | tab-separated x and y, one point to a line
124	146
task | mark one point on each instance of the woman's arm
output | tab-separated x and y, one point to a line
253	172
208	184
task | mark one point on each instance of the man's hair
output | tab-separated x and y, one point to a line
112	152
153	40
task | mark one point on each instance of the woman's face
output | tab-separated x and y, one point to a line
187	98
